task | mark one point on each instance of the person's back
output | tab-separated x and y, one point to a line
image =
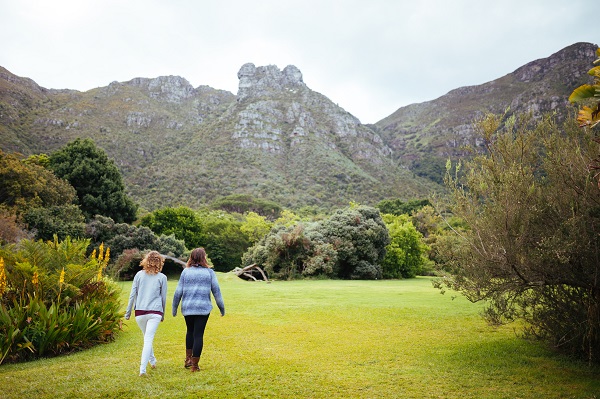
196	283
195	286
147	299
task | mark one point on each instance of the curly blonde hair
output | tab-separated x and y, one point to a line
152	263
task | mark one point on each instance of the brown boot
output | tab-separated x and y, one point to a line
195	364
188	358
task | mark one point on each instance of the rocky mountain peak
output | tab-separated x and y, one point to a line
258	81
170	88
569	58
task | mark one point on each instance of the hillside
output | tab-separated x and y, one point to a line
176	144
276	138
425	135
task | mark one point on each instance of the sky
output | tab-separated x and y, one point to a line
370	57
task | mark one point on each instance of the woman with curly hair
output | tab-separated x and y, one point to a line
148	297
195	285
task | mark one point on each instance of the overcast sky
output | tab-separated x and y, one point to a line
370	57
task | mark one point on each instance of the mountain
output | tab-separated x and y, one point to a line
276	138
423	136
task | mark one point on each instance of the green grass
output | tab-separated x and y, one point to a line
318	339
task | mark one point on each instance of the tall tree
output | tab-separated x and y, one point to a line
183	222
25	185
532	242
38	197
96	179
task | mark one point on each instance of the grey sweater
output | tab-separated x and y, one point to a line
193	291
148	293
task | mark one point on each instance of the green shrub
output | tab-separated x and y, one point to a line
54	299
350	245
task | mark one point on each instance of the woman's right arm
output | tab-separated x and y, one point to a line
178	293
132	296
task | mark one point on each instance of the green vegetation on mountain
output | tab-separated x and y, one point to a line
423	136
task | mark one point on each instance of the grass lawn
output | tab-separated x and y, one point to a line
317	339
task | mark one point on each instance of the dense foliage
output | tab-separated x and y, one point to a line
122	236
224	235
183	222
96	179
54	299
25	185
37	198
531	245
351	244
398	207
406	253
243	203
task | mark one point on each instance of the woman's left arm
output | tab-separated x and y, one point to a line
216	291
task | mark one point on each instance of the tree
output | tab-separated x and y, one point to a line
58	220
398	207
39	198
96	179
25	185
255	226
293	251
590	117
121	236
405	254
242	203
223	239
349	245
181	221
11	229
360	237
220	233
532	215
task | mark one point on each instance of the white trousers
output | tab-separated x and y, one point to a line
148	324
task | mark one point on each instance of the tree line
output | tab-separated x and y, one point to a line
78	192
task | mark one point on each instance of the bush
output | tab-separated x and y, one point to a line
60	220
54	299
125	240
530	249
405	255
350	245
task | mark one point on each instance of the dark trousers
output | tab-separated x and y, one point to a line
194	337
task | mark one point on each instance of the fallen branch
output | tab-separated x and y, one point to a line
182	263
247	273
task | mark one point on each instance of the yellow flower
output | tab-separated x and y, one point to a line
61	279
35	279
2	277
94	254
107	255
100	252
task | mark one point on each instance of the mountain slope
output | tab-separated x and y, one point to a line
431	132
176	144
276	138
